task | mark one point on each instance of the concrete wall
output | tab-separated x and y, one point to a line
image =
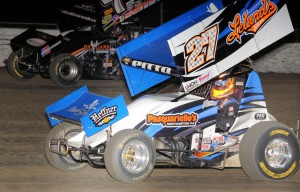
284	58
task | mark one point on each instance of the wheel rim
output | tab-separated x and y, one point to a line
135	156
75	154
68	70
19	69
278	153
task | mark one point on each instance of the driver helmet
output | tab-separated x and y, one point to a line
222	87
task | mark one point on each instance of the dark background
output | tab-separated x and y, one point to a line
43	11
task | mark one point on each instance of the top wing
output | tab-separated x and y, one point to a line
78	13
226	38
102	13
203	42
116	11
153	47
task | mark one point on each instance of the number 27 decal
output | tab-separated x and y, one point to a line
200	49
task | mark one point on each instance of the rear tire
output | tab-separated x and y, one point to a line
130	156
65	70
16	70
64	163
269	151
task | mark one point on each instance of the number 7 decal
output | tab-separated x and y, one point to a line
201	49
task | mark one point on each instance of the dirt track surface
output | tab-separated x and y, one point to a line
24	127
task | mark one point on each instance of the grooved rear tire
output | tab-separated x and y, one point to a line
130	156
269	151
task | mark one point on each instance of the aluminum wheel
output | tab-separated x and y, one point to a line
68	71
75	154
65	70
269	150
130	156
135	156
278	153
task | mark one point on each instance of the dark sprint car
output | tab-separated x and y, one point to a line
97	29
217	119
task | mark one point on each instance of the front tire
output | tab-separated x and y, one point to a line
65	70
130	156
15	69
269	151
64	163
